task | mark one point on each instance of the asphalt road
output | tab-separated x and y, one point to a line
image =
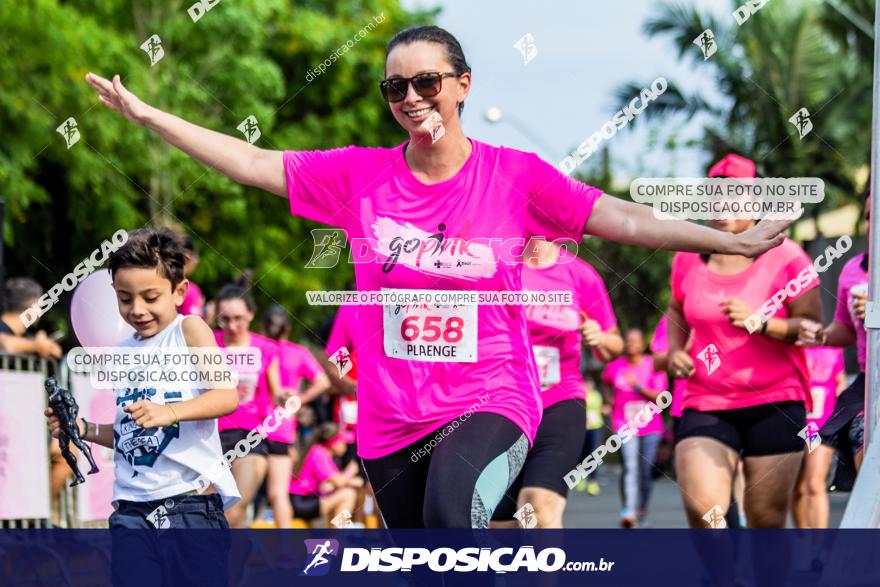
602	511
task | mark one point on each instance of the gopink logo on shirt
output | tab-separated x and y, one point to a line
434	254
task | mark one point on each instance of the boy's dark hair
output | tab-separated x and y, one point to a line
19	293
276	322
151	248
236	292
434	34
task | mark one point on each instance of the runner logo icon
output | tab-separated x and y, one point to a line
710	358
319	552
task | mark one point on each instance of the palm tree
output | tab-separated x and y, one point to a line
787	56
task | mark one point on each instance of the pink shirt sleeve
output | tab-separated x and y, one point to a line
677	277
798	261
318	186
660	342
598	306
322	464
339	334
558	205
841	312
309	366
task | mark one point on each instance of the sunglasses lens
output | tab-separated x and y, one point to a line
394	90
427	84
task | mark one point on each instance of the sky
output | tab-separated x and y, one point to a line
586	50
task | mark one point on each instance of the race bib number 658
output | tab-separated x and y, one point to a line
430	332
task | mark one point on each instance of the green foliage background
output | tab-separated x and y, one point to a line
243	57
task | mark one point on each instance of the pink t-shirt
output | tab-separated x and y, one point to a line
851	275
193	302
747	369
253	388
343	333
423	366
555	330
317	468
660	345
627	401
295	363
825	364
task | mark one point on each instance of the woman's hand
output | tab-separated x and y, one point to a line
810	333
592	333
760	238
681	365
116	97
736	311
859	303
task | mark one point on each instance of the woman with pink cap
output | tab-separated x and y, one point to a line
745	393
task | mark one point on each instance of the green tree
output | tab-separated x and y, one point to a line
247	57
787	56
637	279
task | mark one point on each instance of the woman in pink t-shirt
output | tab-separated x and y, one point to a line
827	380
441	212
257	391
557	333
746	393
631	383
845	428
295	365
318	487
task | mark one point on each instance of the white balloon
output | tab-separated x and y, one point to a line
94	312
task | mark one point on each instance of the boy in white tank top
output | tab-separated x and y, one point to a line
164	434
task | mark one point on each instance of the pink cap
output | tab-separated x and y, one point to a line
733	165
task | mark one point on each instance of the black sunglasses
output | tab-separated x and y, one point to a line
425	85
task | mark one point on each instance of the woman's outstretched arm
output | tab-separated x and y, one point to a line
234	158
629	223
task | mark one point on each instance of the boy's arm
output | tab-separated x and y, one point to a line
210	404
98	433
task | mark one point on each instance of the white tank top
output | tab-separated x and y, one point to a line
157	463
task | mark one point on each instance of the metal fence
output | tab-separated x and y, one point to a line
13	362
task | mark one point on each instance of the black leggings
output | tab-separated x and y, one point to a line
453	477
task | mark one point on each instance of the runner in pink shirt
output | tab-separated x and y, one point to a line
318	487
447	213
631	383
557	333
827	381
256	392
844	430
746	393
295	365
